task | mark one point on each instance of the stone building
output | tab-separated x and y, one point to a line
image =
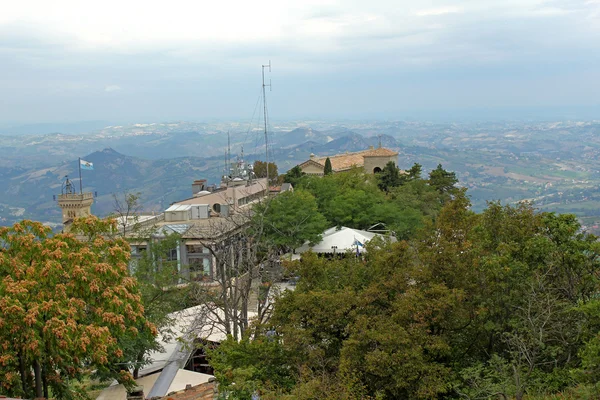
209	219
74	205
372	160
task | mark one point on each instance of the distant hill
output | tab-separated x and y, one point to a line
160	182
385	141
298	135
351	142
66	128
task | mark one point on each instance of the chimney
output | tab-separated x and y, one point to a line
371	147
312	155
198	185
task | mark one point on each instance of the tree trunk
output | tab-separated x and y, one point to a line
138	359
45	381
23	375
37	371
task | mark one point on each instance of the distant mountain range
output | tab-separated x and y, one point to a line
554	164
28	192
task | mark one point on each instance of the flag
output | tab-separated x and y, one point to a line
86	164
358	245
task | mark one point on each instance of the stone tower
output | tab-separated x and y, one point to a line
73	204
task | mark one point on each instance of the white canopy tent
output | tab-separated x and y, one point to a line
340	240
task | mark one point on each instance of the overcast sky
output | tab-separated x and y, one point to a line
145	60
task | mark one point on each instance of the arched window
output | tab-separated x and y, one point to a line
376	170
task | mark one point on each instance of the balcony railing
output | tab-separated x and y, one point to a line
76	196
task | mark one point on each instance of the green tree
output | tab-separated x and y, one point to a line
389	177
415	171
327	170
66	307
294	175
157	277
260	170
442	180
243	367
502	303
290	219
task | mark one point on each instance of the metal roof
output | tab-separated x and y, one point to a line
179	207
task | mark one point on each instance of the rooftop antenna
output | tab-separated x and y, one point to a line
228	150
265	114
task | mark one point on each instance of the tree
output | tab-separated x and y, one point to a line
67	307
327	170
415	171
290	219
294	175
157	278
442	180
260	170
243	366
501	304
389	177
126	207
242	262
156	274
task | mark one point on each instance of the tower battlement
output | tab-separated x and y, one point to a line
74	205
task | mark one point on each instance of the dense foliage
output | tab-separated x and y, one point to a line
260	170
290	219
67	307
353	199
327	170
502	304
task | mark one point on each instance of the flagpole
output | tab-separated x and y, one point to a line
80	183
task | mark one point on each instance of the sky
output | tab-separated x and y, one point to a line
146	60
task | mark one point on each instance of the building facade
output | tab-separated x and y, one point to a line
372	160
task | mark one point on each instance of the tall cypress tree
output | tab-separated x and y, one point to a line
328	170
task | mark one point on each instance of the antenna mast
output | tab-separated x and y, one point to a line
265	116
228	154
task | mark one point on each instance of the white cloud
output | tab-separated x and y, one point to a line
437	11
151	46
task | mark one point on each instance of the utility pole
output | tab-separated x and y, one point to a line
265	117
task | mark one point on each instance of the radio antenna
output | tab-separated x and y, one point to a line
265	116
228	152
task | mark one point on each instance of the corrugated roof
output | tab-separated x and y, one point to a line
179	207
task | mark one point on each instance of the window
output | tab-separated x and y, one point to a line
200	268
172	255
194	249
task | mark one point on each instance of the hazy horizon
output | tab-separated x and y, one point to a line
68	61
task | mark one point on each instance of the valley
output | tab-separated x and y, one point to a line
553	164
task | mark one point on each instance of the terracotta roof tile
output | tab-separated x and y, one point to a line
380	152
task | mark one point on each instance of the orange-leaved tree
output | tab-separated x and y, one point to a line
67	305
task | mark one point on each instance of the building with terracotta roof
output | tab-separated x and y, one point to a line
372	160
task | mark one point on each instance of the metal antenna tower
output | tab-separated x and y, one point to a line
265	116
228	152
